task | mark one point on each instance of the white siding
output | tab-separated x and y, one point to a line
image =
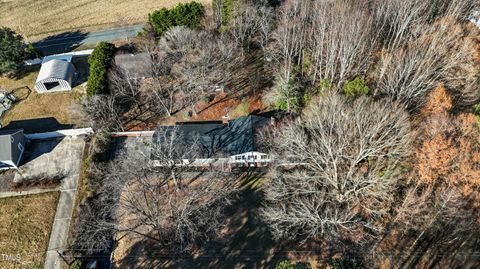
64	85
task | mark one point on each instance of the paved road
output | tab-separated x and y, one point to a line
68	41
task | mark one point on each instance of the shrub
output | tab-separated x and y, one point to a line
285	265
100	62
476	109
13	51
355	87
285	95
188	14
226	8
306	98
345	263
324	85
77	264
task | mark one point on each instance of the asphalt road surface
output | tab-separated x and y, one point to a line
68	41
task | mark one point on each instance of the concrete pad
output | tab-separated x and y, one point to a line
51	159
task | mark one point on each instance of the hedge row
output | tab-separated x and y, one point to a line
188	14
100	62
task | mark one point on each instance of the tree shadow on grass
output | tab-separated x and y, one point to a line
435	248
246	243
40	125
24	71
437	251
60	43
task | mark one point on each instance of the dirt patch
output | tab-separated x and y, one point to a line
25	225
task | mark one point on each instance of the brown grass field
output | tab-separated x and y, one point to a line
25	224
33	105
40	18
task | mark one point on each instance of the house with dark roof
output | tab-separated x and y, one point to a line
12	146
235	140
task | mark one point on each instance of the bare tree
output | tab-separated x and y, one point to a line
251	23
181	39
102	111
395	21
289	37
173	156
266	26
287	49
429	58
124	87
165	203
336	169
244	25
107	111
162	95
175	217
342	41
285	94
201	70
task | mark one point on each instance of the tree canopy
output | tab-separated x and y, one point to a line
13	51
188	14
100	62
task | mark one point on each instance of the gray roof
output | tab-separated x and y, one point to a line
9	131
216	138
56	69
135	65
62	57
6	144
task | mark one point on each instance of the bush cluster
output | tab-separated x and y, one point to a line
188	14
356	87
13	51
100	62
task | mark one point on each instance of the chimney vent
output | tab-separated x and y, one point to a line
225	119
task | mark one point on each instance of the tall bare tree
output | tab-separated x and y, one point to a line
289	37
341	41
336	169
201	70
165	203
429	58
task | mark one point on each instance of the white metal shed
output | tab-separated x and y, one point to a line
55	75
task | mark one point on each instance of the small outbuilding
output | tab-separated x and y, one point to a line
56	74
12	145
136	66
